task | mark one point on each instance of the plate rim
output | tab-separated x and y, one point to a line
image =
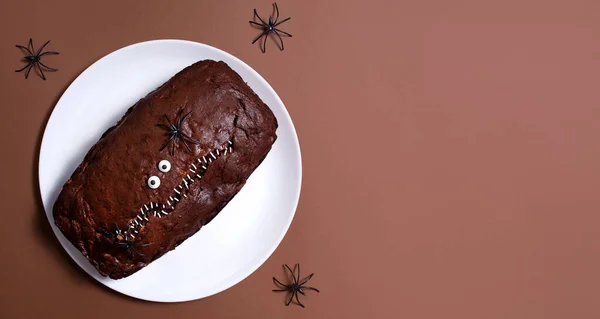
298	164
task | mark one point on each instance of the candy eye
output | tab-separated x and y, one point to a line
153	182
164	166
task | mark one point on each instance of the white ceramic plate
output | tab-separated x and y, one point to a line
240	238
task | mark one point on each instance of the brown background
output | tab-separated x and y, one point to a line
450	151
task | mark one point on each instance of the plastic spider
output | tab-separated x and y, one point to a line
34	59
296	287
130	245
175	132
270	27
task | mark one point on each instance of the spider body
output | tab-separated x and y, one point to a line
270	27
297	286
175	133
34	59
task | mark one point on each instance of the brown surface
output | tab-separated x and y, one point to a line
213	105
450	151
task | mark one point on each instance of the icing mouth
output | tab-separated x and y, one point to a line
158	210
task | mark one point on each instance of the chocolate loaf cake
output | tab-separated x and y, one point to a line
167	168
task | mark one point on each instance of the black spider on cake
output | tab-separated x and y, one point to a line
33	59
130	245
296	287
175	132
270	27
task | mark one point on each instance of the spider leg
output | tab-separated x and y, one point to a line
189	138
259	36
290	300
24	48
186	145
47	67
173	145
184	118
144	237
284	33
166	143
41	48
171	124
265	43
163	126
282	21
275	290
257	24
39	68
259	18
179	119
48	52
276	11
291	272
296	279
28	70
278	282
280	40
135	251
298	300
305	280
30	46
25	67
311	288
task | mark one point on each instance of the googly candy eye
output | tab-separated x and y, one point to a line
153	182
164	166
